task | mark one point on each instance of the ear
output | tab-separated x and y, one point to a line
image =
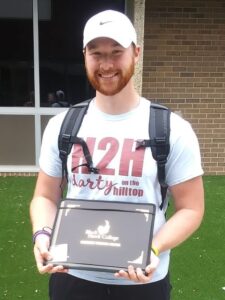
137	52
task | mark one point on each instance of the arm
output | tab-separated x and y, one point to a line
43	209
189	209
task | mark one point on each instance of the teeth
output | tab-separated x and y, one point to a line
107	76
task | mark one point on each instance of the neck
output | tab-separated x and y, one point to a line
124	101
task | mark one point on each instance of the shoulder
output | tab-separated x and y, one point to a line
58	118
145	102
56	121
52	129
49	160
184	160
180	127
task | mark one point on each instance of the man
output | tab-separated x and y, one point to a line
115	116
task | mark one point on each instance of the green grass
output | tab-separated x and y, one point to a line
18	276
197	266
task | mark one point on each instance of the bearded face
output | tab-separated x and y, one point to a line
109	68
110	82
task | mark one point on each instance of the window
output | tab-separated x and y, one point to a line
16	53
18	144
62	74
30	75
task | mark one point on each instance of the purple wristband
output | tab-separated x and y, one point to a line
42	231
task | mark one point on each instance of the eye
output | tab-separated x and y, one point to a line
117	52
95	53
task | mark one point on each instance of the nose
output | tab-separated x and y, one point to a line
106	63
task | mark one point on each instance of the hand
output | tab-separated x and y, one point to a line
138	275
42	254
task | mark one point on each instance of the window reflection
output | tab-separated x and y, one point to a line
60	46
63	79
16	54
61	65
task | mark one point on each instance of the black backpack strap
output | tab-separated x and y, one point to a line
68	134
159	133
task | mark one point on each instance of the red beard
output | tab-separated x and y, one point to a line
110	86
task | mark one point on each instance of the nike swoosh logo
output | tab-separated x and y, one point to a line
102	23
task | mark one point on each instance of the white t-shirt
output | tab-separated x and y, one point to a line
111	140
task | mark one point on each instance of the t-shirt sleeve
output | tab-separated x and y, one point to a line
49	160
184	160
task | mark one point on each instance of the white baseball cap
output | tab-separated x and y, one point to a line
110	24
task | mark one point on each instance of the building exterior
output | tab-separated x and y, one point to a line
182	66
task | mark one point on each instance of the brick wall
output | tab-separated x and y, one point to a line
184	68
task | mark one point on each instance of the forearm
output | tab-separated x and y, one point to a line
42	213
43	206
177	229
188	198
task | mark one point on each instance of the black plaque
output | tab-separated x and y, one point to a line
102	235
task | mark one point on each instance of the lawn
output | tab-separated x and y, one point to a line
18	277
197	266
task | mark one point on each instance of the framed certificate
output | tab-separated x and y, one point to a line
102	235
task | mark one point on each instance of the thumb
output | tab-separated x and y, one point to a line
42	245
153	264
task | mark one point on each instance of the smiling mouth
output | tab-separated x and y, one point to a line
108	76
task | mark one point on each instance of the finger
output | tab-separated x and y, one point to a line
153	265
40	262
142	278
41	256
52	269
146	276
46	255
122	274
132	274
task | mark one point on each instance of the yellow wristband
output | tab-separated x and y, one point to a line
155	250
